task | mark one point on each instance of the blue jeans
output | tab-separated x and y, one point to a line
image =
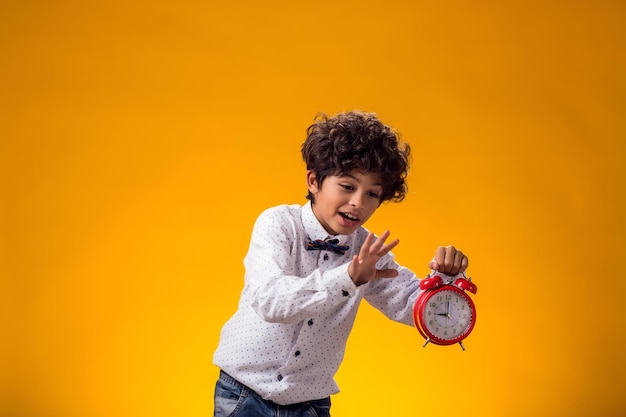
232	398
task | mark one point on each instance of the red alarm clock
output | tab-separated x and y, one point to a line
444	313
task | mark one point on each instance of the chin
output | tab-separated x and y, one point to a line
347	230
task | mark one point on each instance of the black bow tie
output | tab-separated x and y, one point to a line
330	245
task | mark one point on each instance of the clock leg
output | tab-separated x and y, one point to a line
427	340
462	347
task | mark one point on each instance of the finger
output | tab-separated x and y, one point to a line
458	259
464	264
449	266
386	273
388	247
380	241
383	248
365	248
439	258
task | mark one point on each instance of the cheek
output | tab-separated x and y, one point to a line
371	209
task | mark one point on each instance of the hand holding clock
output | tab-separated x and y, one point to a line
449	261
444	313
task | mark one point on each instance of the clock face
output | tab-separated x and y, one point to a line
447	315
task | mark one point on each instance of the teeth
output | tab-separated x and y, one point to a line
347	216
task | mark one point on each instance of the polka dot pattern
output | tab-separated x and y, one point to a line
288	336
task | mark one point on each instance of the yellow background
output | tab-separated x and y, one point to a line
140	140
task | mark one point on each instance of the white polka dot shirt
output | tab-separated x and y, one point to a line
288	336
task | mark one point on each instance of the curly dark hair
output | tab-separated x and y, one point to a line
357	140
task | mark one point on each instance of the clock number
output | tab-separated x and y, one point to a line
444	315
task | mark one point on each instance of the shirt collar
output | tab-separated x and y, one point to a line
314	228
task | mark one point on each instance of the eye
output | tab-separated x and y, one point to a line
347	187
373	194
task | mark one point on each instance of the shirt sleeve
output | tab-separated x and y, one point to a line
274	287
394	297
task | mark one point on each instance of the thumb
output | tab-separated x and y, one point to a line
386	273
433	265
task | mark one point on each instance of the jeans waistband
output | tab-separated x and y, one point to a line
229	379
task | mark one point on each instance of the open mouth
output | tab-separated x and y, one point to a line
349	217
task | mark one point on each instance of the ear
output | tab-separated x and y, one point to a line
311	182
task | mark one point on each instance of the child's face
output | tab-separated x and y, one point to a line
345	202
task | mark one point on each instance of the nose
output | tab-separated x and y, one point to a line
357	200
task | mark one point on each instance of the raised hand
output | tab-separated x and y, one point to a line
362	269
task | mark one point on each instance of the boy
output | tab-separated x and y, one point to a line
307	269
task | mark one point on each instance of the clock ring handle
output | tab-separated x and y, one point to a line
436	279
466	284
432	281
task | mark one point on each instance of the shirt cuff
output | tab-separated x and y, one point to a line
340	283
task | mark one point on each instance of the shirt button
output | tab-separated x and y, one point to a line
325	256
297	353
280	377
345	293
310	322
